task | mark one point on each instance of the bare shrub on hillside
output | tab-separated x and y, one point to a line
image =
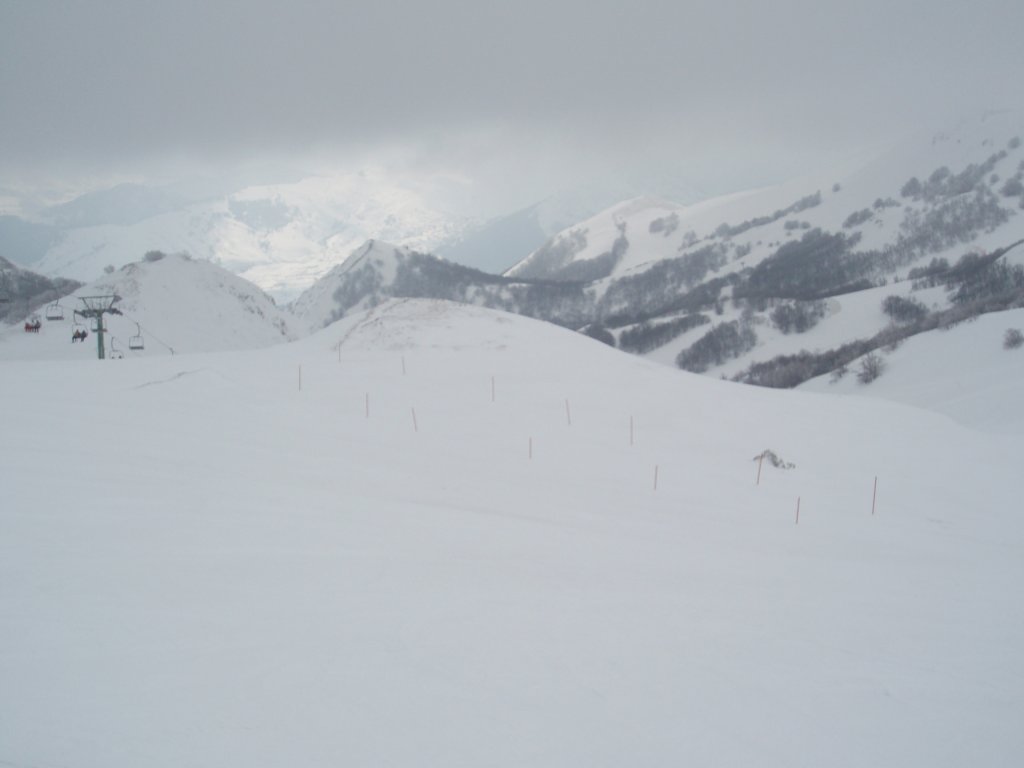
903	310
724	342
1013	187
871	367
857	218
666	225
797	316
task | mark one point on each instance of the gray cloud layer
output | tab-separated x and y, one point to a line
126	82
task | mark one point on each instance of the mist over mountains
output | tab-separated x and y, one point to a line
284	234
772	286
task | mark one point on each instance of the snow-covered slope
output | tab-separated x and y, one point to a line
370	267
436	544
964	372
763	214
650	264
501	243
175	304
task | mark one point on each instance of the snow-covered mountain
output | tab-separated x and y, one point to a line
599	247
23	291
290	228
170	304
467	538
378	271
499	244
730	282
771	286
280	236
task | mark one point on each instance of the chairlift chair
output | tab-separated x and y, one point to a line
55	311
115	353
78	330
136	342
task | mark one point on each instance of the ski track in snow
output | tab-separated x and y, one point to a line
175	377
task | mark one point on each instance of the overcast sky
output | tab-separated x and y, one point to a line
535	92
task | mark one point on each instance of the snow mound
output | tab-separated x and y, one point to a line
174	304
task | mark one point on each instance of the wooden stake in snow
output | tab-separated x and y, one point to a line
415	426
367	405
568	414
655	477
797	510
874	495
760	460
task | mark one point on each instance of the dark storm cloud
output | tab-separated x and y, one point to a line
126	81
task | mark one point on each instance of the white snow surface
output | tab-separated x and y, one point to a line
226	559
963	372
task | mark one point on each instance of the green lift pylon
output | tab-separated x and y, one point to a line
97	307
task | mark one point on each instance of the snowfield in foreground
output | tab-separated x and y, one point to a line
443	550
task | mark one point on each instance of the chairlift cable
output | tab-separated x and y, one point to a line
149	333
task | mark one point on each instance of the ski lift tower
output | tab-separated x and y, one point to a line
98	306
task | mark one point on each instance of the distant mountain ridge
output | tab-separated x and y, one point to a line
281	235
755	277
379	271
122	205
771	286
282	228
